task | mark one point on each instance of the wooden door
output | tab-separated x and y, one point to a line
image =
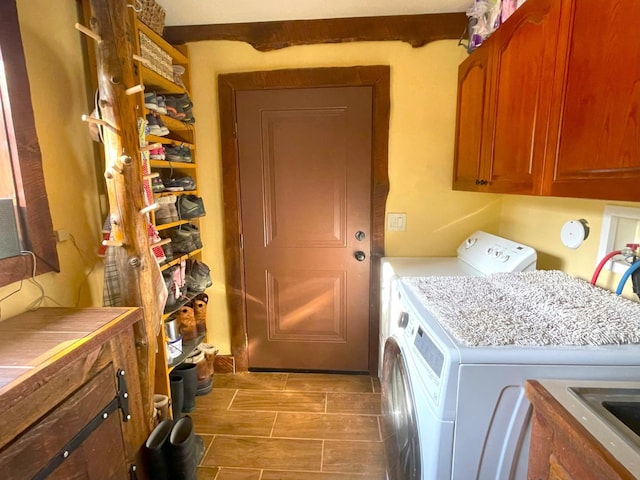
594	141
523	59
305	191
471	118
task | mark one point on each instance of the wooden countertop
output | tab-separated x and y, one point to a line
32	340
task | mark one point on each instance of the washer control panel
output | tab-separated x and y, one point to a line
491	254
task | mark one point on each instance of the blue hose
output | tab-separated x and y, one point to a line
635	266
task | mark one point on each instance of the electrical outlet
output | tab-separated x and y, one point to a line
62	235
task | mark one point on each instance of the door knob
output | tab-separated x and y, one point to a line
360	256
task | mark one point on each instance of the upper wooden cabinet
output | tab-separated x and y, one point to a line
539	110
594	129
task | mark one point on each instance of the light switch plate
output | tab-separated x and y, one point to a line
396	222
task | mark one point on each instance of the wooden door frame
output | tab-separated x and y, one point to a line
375	76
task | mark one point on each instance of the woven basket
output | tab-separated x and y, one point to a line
152	15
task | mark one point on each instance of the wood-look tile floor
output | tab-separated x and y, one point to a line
290	426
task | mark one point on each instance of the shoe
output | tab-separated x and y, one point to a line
174	108
182	242
205	377
155	451
200	312
167	211
156	185
165	131
194	232
175	153
162	106
151	101
190	206
198	277
185	183
168	251
157	153
185	450
187	322
154	126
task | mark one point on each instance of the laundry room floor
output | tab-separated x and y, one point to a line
290	426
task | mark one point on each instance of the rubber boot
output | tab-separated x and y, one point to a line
189	374
185	450
177	395
156	451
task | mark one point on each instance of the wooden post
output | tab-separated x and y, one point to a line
139	274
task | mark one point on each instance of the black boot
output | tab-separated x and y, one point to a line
155	451
189	375
185	450
177	395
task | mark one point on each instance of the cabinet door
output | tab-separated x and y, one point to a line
594	142
472	119
523	60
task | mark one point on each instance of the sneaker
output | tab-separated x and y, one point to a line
153	125
157	154
184	183
167	211
163	128
194	232
157	185
182	242
174	109
198	277
168	251
190	206
162	106
151	101
175	153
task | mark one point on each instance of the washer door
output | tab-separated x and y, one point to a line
400	428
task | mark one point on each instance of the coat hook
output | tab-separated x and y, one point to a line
136	89
149	208
98	121
112	243
140	59
151	146
164	241
137	8
88	32
151	175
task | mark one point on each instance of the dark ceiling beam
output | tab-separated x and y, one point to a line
417	30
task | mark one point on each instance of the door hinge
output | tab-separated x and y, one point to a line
235	130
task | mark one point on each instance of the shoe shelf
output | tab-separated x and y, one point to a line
155	81
169	141
167	226
172	123
173	165
180	192
176	261
187	347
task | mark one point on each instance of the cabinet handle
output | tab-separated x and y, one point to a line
481	182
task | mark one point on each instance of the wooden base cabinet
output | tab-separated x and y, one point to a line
550	104
64	375
561	449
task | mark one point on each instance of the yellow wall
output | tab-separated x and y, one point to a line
56	73
537	222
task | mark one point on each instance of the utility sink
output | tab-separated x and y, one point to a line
618	407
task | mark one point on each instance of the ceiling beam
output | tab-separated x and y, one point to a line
416	30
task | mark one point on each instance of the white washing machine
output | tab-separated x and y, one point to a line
479	254
454	411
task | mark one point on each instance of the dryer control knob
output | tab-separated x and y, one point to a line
403	321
